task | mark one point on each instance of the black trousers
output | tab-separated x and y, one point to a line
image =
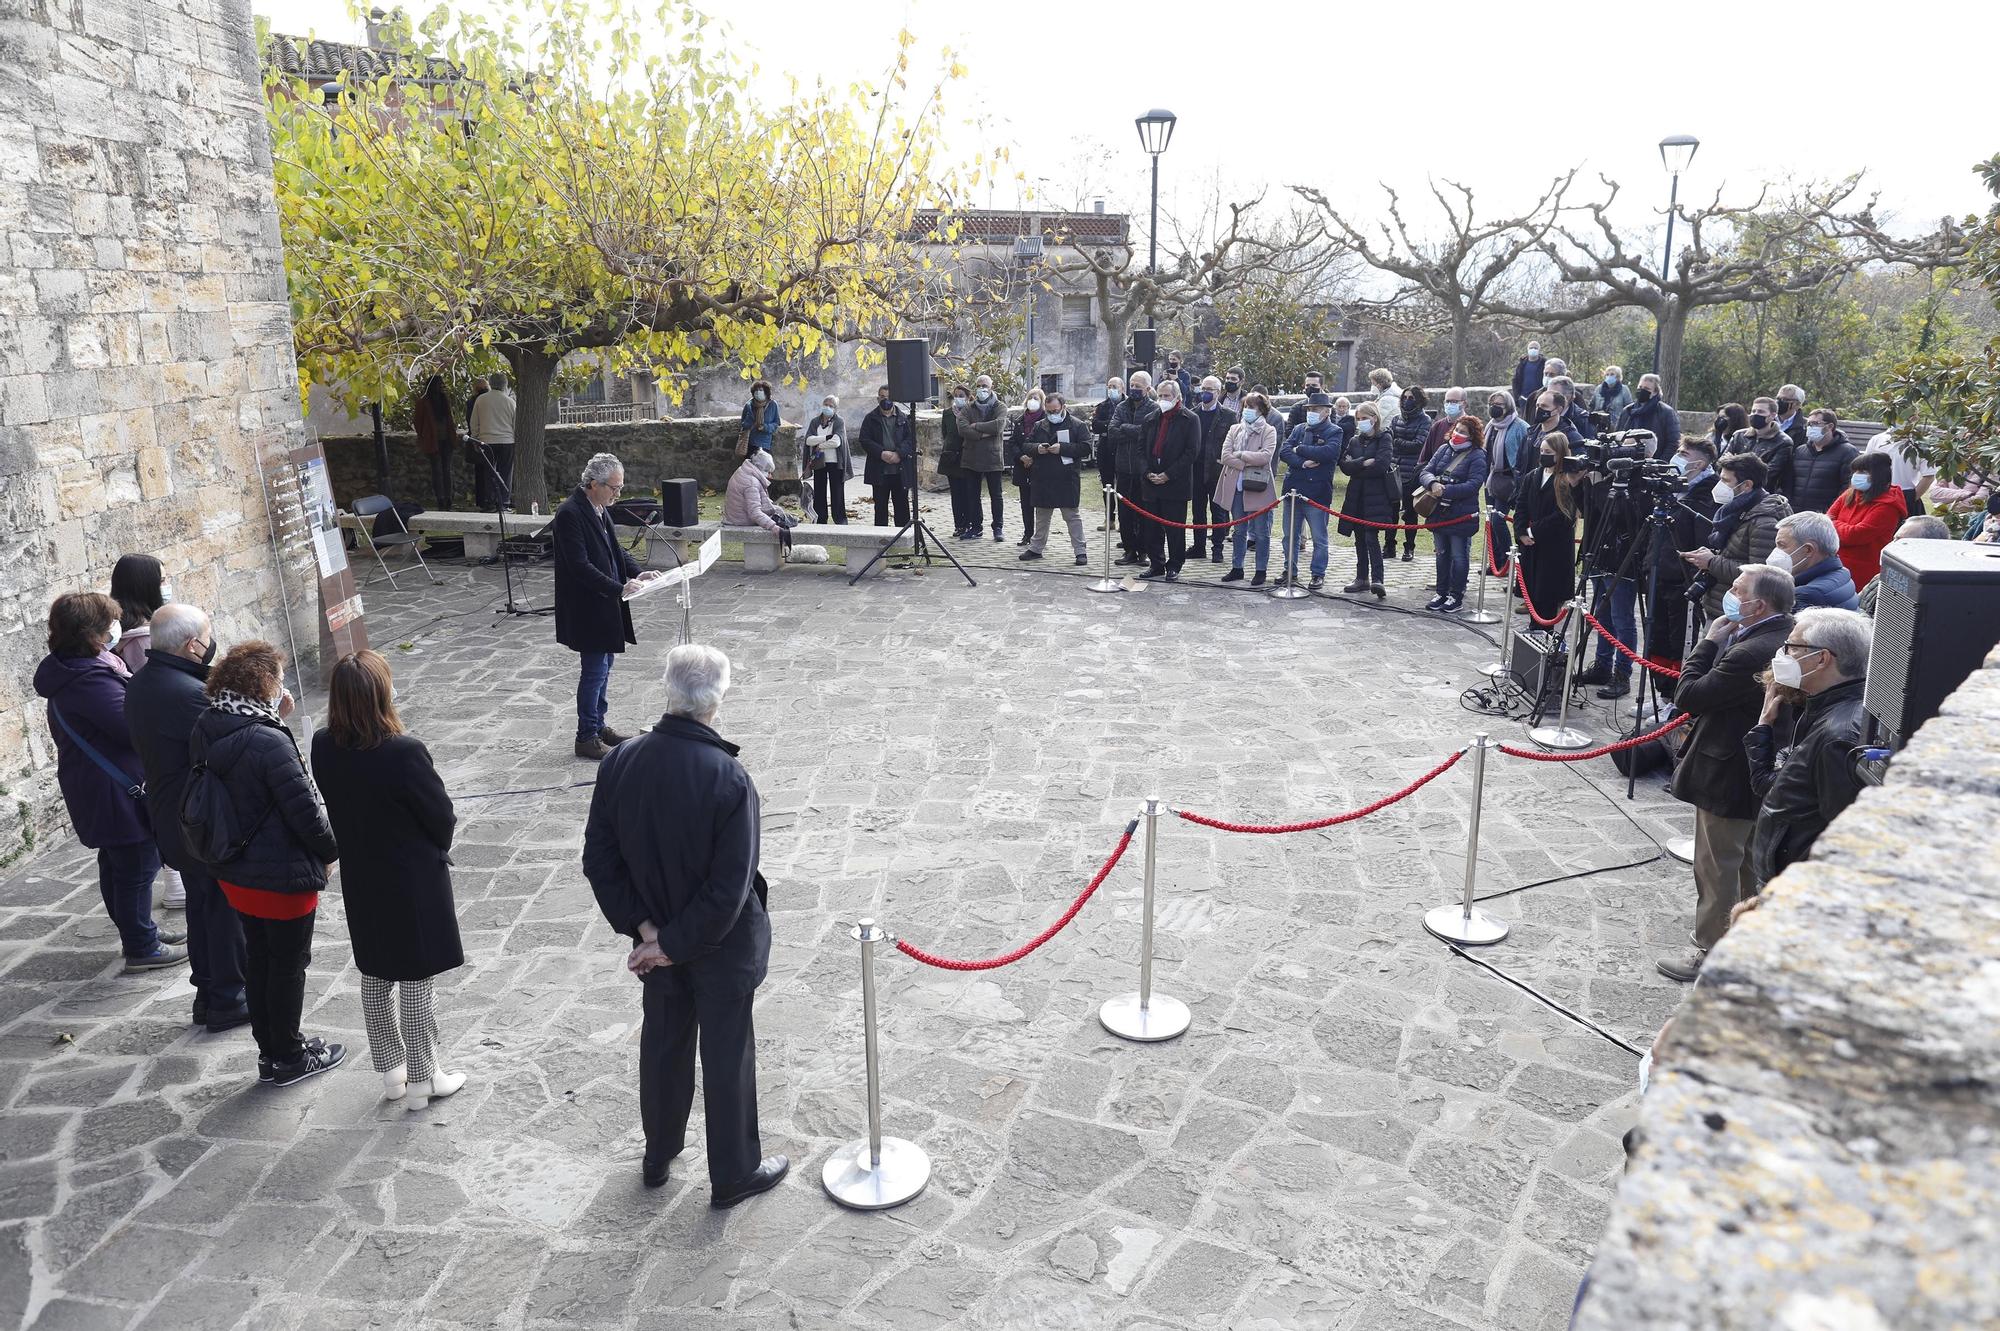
441	474
830	493
677	1014
885	493
1202	509
964	502
1131	526
215	943
993	500
1027	511
1166	545
1368	555
1405	483
486	491
277	953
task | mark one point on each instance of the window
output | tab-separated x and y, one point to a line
1076	310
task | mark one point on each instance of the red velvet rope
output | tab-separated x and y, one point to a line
1492	565
916	953
1317	823
1392	526
1660	666
1198	526
1536	755
1521	583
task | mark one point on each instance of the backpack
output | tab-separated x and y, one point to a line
209	825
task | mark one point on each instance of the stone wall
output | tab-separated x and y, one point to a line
1821	1144
145	347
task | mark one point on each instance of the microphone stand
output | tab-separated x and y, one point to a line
920	550
502	493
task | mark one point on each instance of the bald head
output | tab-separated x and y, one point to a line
175	625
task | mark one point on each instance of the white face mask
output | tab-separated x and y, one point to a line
1723	492
1034	404
117	632
1168	402
1113	390
985	393
1786	670
826	409
166	593
1249	415
1779	559
1056	417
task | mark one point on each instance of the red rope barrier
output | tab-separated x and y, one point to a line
1198	526
1659	666
1317	823
1492	566
1521	584
1536	755
916	953
1391	526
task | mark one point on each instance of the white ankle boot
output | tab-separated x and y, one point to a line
435	1087
395	1081
175	897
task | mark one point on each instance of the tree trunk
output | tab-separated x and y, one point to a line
1673	317
1117	328
1461	328
534	375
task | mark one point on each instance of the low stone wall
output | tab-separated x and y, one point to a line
1821	1144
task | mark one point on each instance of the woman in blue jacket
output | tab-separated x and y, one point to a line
1310	453
760	416
1454	477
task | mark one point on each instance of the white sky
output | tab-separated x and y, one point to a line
1269	91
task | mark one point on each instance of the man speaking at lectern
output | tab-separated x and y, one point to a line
593	573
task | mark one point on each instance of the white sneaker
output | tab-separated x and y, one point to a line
395	1081
176	897
436	1087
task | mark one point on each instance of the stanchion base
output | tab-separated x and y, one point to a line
1560	737
1106	585
901	1175
1454	925
1161	1019
1289	593
1682	849
1479	617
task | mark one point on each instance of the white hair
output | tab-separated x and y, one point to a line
761	459
1845	634
697	677
1814	529
177	624
1771	585
1651	381
601	468
1556	366
1168	387
1137	376
1794	392
829	401
1454	389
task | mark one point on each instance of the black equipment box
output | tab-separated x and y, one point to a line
680	503
1937	617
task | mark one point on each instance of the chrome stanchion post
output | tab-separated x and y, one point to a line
1682	849
1146	1016
1292	543
1562	735
1107	583
877	1172
1482	537
1505	666
1465	924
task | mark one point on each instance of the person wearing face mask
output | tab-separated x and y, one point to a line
1574	414
963	481
1388	394
1610	395
1310	454
1790	402
1057	450
1021	457
1232	391
1172	460
1809	549
1545	524
1746	527
759	421
99	772
1409	430
1648	412
980	424
1107	456
1694	515
1130	439
1772	446
1821	465
1216	422
1528	376
1245	483
274	875
1370	467
1731	419
1453	478
1910	472
138	584
825	457
1866	516
1443	425
1297	415
1507	458
1808	780
1180	377
1719	688
162	705
889	442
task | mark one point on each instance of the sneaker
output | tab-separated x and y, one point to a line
1234	575
264	1064
1257	578
592	748
610	738
1082	561
162	956
1452	605
1029	554
1619	686
310	1063
1435	603
176	895
1682	966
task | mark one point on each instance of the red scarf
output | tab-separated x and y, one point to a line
1160	439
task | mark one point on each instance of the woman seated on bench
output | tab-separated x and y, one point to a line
748	501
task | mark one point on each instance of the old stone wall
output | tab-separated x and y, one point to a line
145	349
1821	1144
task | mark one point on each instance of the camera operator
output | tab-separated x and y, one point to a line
1745	531
1771	445
1806	783
1694	514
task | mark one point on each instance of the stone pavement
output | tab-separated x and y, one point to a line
1360	1130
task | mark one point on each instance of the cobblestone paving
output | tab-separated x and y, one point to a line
1359	1131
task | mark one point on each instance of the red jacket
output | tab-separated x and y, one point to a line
1865	527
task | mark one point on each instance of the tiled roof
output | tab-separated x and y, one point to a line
320	61
989	224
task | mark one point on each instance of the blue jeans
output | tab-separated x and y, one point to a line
593	683
1260	527
125	881
1302	512
1623	621
1454	558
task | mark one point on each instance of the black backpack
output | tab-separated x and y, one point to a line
209	825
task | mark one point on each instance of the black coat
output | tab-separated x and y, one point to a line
290	843
694	873
1100	429
1820	474
1179	459
1128	423
1662	420
1548	567
1719	689
1776	453
394	822
891	434
162	703
1369	464
1805	785
1694	516
1214	429
592	569
1018	449
1407	436
1055	479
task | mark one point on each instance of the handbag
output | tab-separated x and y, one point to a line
1257	480
743	444
1424	503
136	789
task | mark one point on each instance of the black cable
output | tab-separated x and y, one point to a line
531	790
1544	999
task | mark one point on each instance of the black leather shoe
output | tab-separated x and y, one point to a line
218	1022
1159	572
766	1177
655	1173
1234	575
1257	578
1354	589
1597	674
592	748
1082	560
1029	554
1173	575
1619	686
610	738
201	1009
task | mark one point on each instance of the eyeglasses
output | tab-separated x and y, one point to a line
1795	648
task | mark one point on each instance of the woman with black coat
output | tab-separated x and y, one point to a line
1369	464
394	822
273	875
1021	457
1545	525
1408	433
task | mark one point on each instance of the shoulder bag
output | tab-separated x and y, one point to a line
136	789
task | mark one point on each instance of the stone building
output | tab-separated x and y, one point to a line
146	372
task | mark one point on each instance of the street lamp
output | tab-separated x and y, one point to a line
1676	152
1156	131
1027	254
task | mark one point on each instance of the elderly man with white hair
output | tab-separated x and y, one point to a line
593	574
1127	440
1809	549
671	853
1802	765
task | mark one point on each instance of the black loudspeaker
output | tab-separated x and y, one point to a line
1145	345
909	369
1937	616
680	503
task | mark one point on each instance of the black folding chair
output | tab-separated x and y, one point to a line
368	509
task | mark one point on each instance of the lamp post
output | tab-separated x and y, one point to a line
1028	254
1676	152
1156	131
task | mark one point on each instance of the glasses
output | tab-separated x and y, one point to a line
1795	648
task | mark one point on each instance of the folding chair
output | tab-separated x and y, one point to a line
370	507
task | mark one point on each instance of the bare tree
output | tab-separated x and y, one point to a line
1463	273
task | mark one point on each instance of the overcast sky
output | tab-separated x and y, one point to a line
1267	92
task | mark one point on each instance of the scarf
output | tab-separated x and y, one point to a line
238	705
1730	515
1160	437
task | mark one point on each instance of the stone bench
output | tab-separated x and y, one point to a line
760	548
481	531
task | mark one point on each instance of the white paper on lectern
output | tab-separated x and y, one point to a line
705	557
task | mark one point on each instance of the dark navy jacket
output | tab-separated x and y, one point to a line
90	692
161	706
1311	443
591	572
